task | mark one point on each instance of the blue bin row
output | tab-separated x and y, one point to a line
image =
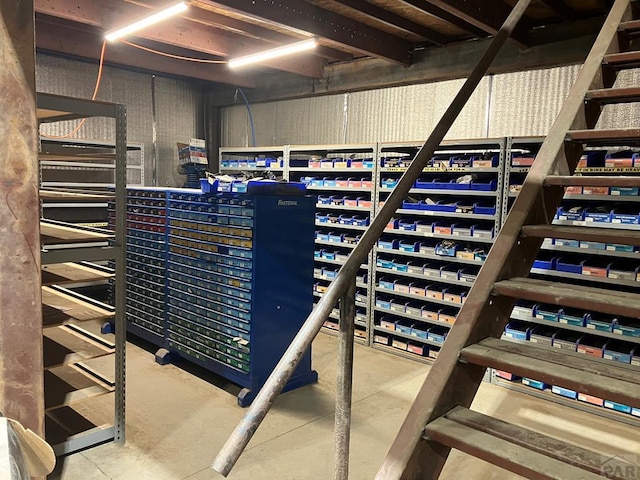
444	184
340	200
252	163
622	215
622	327
440	228
421	289
612	247
445	161
450	207
355	220
337	237
337	182
602	348
417	267
592	267
435	334
338	162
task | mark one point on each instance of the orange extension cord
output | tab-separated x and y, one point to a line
131	44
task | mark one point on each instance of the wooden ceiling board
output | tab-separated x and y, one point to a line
420	17
366	19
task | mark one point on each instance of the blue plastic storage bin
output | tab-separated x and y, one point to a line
482	209
407	246
407	205
388	244
570	264
322	217
408	225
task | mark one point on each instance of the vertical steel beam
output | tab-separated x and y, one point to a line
344	381
21	372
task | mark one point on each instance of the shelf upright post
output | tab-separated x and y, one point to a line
502	194
507	178
120	279
21	374
286	155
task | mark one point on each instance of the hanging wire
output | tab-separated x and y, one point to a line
93	97
169	55
246	102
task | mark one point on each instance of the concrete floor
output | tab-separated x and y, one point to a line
177	422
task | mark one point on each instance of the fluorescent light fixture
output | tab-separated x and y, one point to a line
147	21
274	53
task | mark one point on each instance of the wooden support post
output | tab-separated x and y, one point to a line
21	373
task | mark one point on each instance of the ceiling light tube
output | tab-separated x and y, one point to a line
147	21
274	53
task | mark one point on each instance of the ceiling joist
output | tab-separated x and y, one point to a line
488	16
310	19
389	18
180	33
56	38
560	8
425	6
238	27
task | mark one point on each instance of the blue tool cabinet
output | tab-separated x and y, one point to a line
239	281
146	263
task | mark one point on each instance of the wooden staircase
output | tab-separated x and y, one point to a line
440	418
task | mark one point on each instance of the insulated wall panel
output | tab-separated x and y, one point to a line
520	104
179	113
178	108
527	103
301	121
626	114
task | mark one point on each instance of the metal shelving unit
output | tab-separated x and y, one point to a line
429	287
254	160
527	147
335	173
72	380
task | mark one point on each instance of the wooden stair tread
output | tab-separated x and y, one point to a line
71	272
592	181
64	345
582	373
73	307
622	60
632	26
626	136
614	95
510	456
533	441
67	385
592	234
53	233
587	298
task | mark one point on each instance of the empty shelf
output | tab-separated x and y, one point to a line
73	305
64	386
72	272
68	344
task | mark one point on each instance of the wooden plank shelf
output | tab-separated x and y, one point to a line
67	385
67	344
73	305
65	423
69	272
54	233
